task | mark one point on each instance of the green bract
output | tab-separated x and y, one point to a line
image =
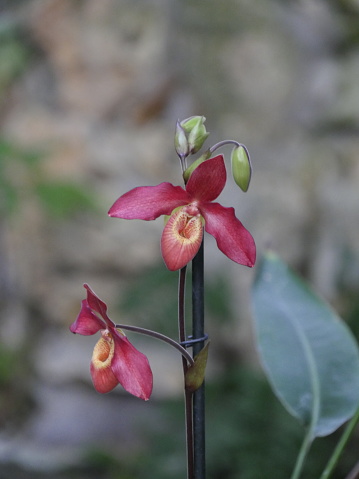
195	374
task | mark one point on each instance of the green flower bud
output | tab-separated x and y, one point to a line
181	143
196	138
241	167
196	131
194	165
189	123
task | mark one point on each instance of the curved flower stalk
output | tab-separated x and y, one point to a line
190	209
115	360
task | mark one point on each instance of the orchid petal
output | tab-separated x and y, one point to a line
95	302
103	377
149	202
131	368
207	180
232	237
181	238
87	323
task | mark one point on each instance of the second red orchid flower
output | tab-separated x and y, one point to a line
190	209
115	360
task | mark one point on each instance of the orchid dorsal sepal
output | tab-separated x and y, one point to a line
195	374
187	173
241	167
161	337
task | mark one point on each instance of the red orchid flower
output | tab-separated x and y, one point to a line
189	210
114	359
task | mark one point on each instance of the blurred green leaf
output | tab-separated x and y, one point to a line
8	196
63	199
13	58
15	53
21	176
10	153
309	354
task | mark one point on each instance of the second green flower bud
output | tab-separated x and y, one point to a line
241	167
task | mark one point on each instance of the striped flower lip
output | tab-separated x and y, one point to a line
115	360
189	210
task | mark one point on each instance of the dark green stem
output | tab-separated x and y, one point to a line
198	396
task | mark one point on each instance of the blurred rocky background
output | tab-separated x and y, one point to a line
89	95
